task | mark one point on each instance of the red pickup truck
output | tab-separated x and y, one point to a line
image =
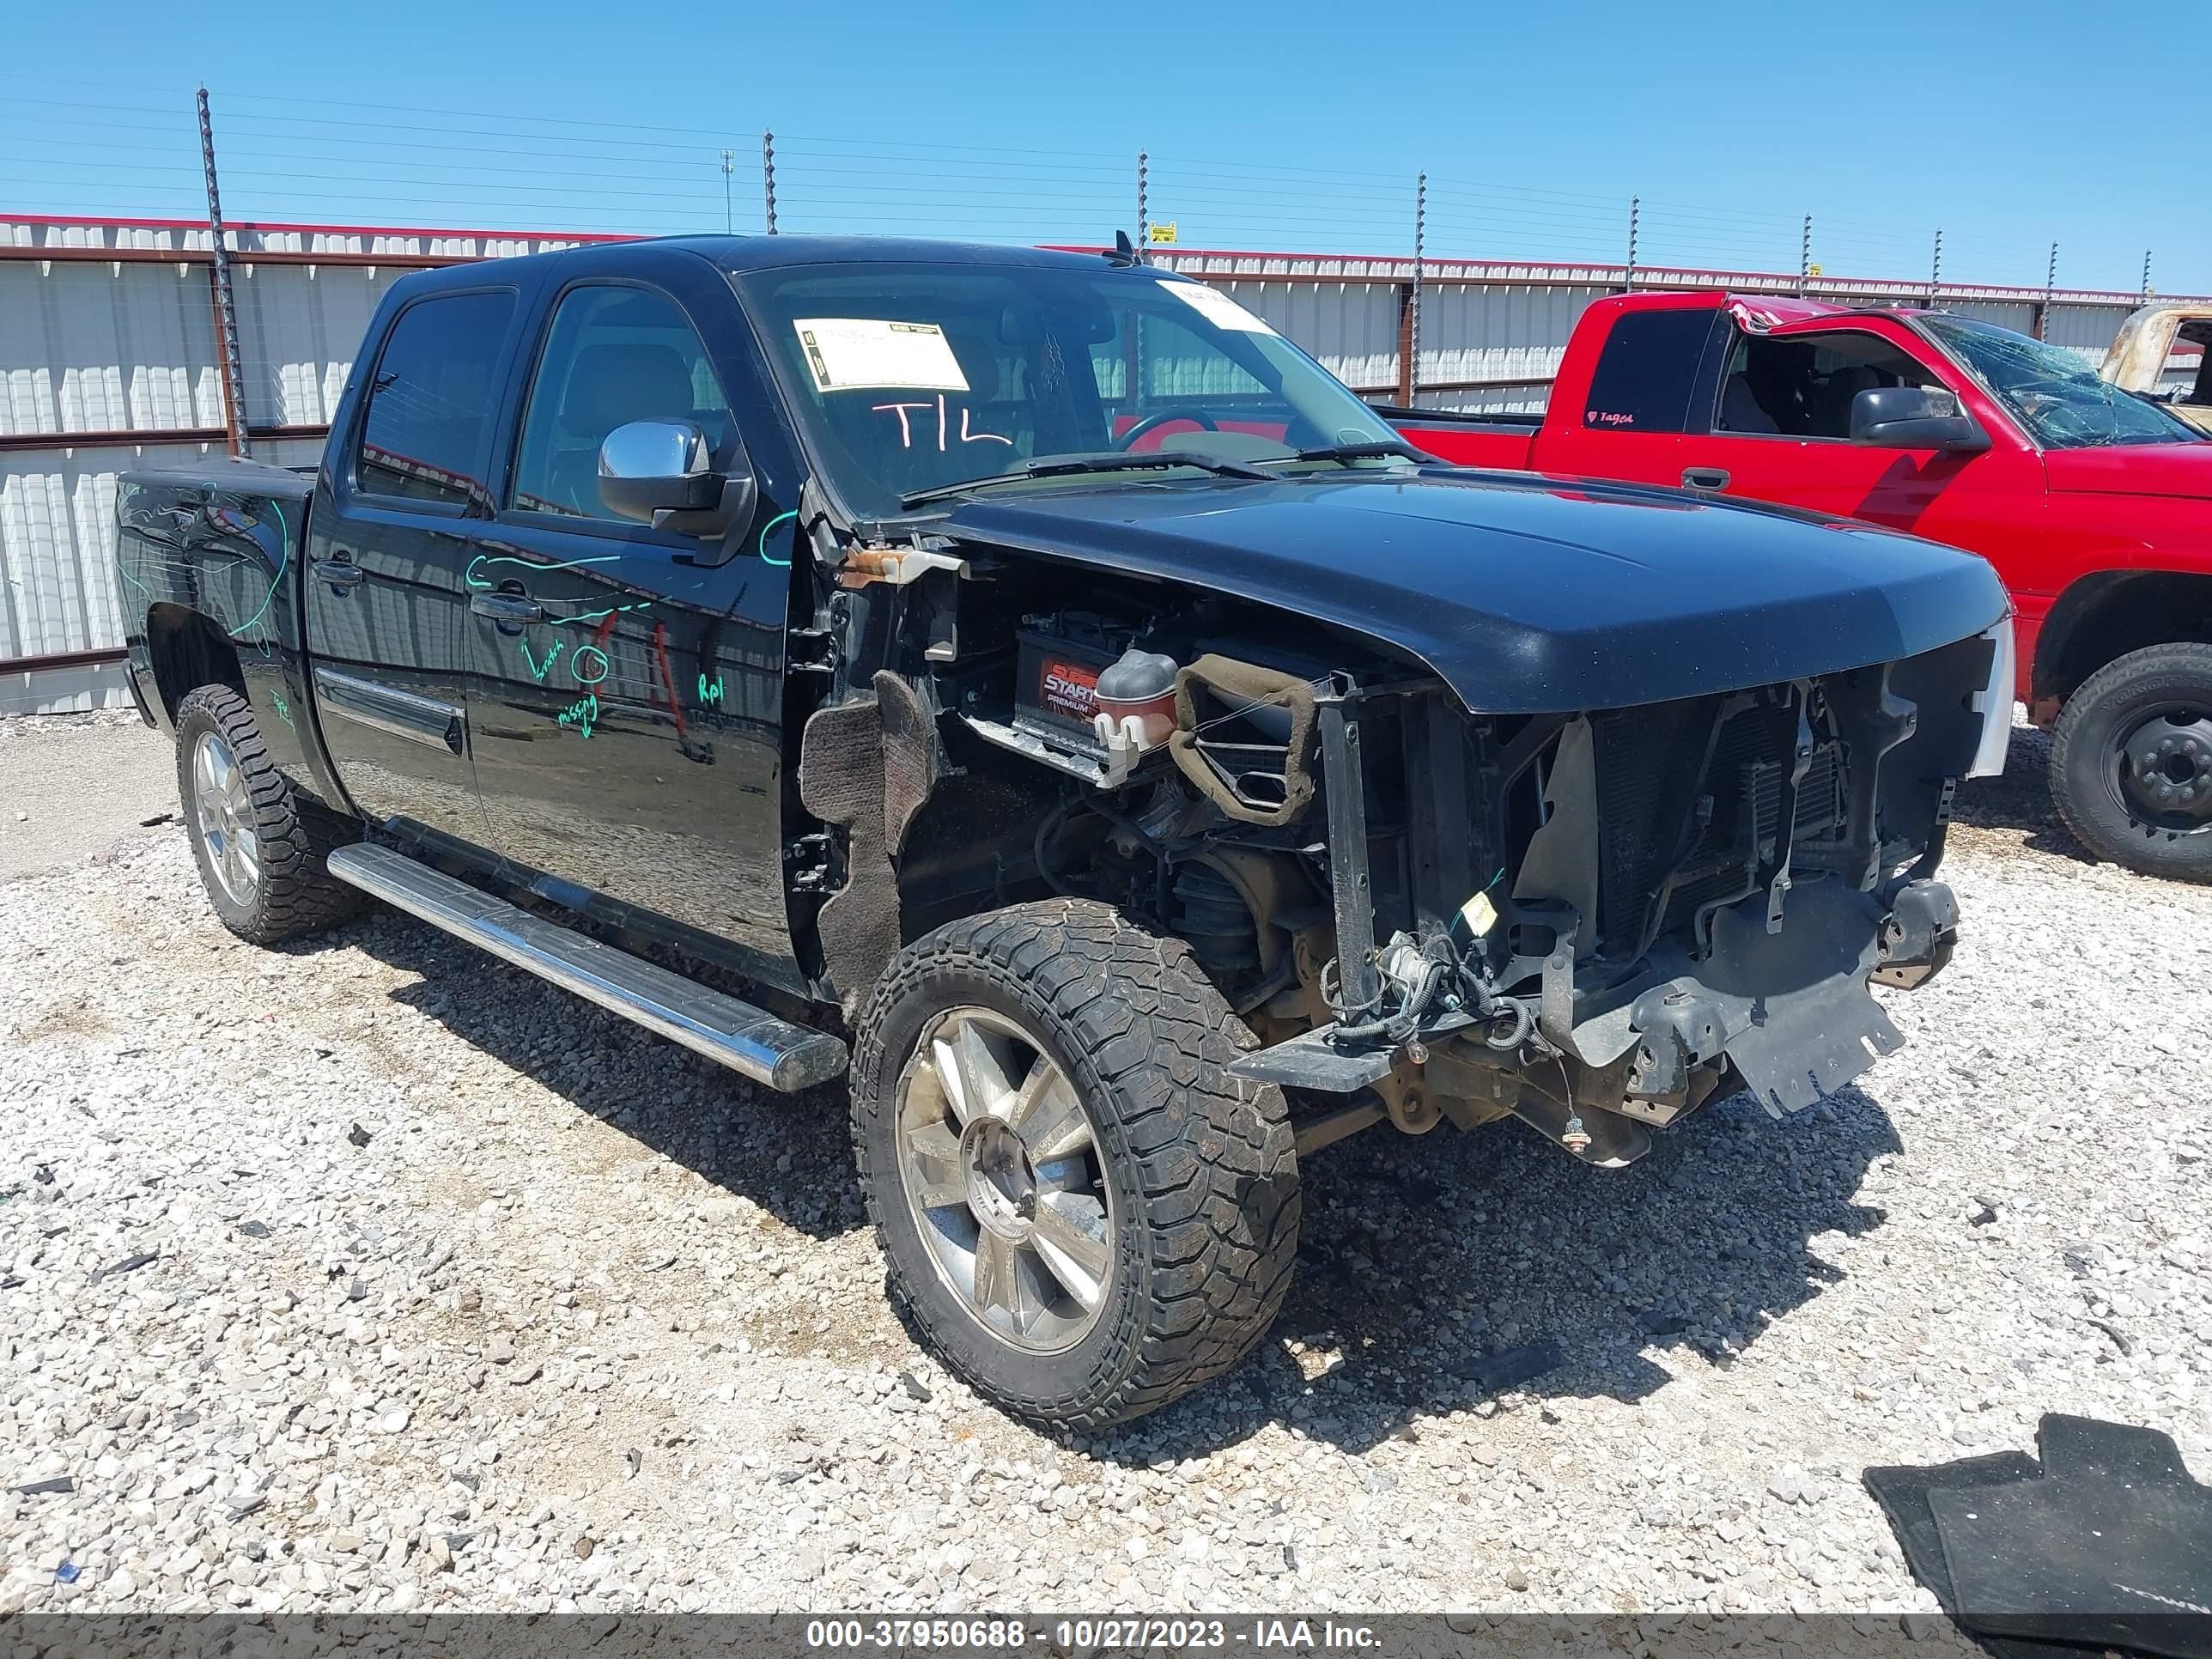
2094	505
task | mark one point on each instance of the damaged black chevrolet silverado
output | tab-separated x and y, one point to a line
1031	669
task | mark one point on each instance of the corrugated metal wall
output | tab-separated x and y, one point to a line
107	329
96	347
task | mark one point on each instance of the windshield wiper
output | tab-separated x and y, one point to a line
1374	450
1150	461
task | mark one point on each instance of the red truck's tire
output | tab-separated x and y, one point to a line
247	817
1182	1188
2131	762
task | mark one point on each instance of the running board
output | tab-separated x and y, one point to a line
749	1041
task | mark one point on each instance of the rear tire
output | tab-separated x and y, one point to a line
2131	762
1099	1051
260	843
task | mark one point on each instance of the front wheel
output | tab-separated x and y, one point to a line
2131	762
1082	1213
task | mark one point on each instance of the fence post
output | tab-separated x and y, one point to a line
1805	256
1936	270
1144	204
232	369
1628	273
768	178
1409	375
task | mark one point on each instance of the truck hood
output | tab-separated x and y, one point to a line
1529	595
2184	470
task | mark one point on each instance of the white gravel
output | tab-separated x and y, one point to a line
373	1275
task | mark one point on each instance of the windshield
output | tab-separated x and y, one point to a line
2053	393
911	376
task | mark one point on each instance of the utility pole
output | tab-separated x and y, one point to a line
1412	375
226	309
729	166
1935	271
768	178
1143	203
1635	212
1805	256
2146	289
2049	282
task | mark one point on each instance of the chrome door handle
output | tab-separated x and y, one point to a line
340	573
507	607
1705	478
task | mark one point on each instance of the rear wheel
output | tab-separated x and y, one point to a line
2131	762
260	844
1080	1212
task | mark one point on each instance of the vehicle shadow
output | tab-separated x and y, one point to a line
1431	1270
791	1154
1423	1263
2020	799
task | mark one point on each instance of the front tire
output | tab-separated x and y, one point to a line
1082	1213
260	844
2131	762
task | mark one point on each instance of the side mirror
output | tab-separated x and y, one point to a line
661	473
1914	417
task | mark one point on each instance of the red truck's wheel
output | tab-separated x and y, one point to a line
259	845
1081	1214
2131	762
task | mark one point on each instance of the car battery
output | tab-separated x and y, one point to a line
1056	685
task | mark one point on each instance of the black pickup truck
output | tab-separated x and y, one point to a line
1029	677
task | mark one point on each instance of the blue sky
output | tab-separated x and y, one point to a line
1293	125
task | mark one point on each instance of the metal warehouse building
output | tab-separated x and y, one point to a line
108	360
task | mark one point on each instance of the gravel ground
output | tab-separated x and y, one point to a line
375	1275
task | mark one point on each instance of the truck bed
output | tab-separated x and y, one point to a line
1489	441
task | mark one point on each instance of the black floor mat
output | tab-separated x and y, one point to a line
2108	1543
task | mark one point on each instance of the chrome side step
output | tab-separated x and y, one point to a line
749	1041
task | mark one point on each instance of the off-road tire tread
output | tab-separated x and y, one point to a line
298	895
1215	1165
2073	740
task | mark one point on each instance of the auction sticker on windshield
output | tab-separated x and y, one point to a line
844	352
1217	307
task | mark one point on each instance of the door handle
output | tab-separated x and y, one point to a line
340	573
507	607
1705	478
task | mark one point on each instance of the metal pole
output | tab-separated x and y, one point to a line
2050	282
2146	291
1143	203
1935	271
1421	247
729	166
768	178
1635	212
225	310
1805	256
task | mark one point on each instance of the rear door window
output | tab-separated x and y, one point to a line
1647	370
426	429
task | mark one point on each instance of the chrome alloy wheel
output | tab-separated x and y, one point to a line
999	1165
225	814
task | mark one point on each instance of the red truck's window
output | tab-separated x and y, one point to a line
430	406
1646	370
1802	386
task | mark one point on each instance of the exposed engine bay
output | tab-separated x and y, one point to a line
1594	920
